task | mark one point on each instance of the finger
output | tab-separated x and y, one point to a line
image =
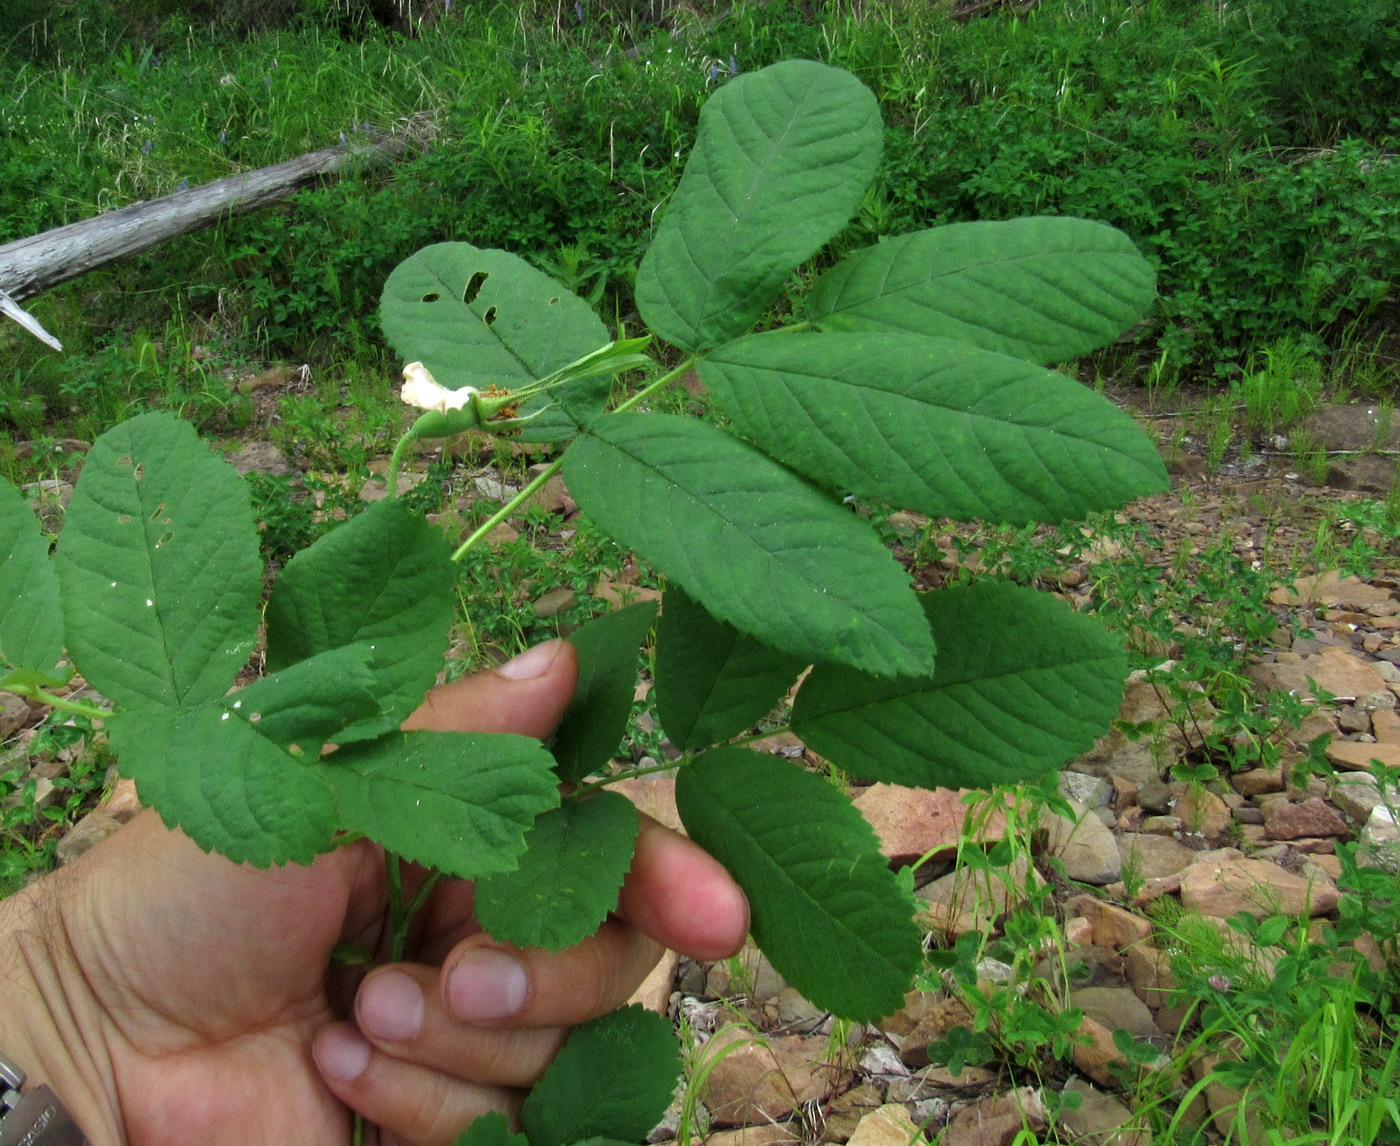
410	1102
498	1014
526	695
682	897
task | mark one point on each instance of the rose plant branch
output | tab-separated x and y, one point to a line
914	378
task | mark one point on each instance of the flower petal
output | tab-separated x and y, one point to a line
422	390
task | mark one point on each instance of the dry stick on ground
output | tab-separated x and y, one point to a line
34	265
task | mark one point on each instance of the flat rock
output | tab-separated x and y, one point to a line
85	835
262	458
654	796
846	1111
654	992
1352	426
762	1081
1154	857
936	1023
1112	926
1202	813
915	822
1356	793
747	975
1099	1055
1308	818
967	899
1354	756
1099	1119
996	1121
769	1134
1117	1008
1336	670
1149	972
1331	588
1087	849
1226	887
14	714
890	1125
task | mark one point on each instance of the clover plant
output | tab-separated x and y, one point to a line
914	378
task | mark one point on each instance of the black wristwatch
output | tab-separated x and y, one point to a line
34	1119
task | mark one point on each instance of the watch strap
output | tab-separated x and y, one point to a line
38	1118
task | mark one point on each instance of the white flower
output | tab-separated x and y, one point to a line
422	390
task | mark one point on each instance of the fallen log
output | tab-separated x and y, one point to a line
33	265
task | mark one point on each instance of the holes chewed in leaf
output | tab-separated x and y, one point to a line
490	316
474	285
431	297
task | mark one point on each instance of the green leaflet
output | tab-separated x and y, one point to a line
486	318
781	160
1047	289
596	719
713	681
826	909
490	1129
753	543
612	1080
310	702
457	801
576	857
384	578
229	788
934	425
31	615
1022	684
159	567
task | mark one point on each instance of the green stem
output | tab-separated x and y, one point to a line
628	774
509	508
422	897
398	922
758	736
474	539
76	707
665	380
396	460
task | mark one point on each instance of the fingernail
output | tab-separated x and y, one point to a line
390	1007
486	984
341	1053
532	662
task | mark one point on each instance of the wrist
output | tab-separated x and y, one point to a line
50	1024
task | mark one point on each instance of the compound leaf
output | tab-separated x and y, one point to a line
486	318
753	543
612	1080
596	719
308	703
384	578
712	680
159	567
576	856
457	801
226	786
826	909
781	160
31	614
934	425
490	1129
998	709
1047	289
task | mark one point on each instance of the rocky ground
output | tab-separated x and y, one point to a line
1261	840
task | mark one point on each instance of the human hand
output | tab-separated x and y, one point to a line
172	997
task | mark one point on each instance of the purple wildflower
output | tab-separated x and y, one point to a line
146	147
183	185
343	140
578	10
1219	982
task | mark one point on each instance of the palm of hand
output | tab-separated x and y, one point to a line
218	985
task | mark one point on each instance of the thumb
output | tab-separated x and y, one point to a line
527	695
